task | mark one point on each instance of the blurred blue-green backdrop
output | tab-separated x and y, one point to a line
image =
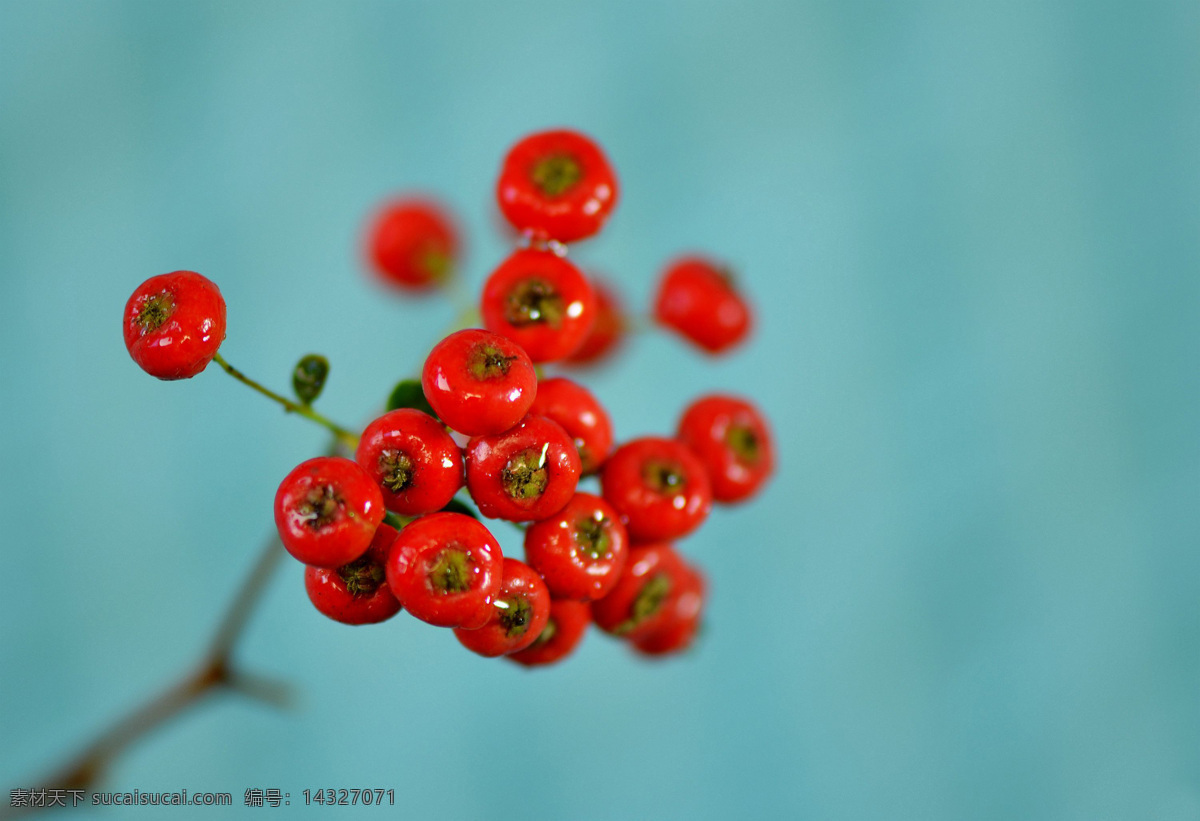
972	232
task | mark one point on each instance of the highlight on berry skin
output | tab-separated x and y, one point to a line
608	329
412	244
174	323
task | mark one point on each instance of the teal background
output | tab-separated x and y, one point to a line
972	233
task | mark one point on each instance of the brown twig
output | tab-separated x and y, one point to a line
215	671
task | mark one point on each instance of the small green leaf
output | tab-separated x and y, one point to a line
457	506
309	376
408	394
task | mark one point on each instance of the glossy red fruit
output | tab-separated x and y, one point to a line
683	608
658	486
641	601
733	442
356	593
445	568
579	551
174	323
699	300
520	610
478	382
607	331
327	510
563	631
581	415
527	473
412	244
557	185
412	458
540	301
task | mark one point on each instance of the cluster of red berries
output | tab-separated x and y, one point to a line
387	529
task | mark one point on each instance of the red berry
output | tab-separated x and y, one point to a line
356	593
683	609
641	601
412	458
581	416
658	486
698	299
445	568
540	301
580	551
557	185
567	623
412	244
733	441
608	328
327	510
478	382
527	473
519	612
174	324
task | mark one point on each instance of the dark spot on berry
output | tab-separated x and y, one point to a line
524	476
320	507
156	310
397	470
591	534
488	362
515	615
744	443
663	476
450	571
556	174
534	301
362	577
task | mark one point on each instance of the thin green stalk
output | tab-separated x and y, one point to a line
343	435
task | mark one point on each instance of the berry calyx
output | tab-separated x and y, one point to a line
520	610
445	568
524	474
698	299
732	440
412	458
581	415
640	602
681	621
557	185
564	630
327	511
540	301
478	382
412	244
579	551
658	486
356	593
174	323
607	331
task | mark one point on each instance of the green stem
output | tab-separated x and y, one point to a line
343	435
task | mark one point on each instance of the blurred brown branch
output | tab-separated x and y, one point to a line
214	672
